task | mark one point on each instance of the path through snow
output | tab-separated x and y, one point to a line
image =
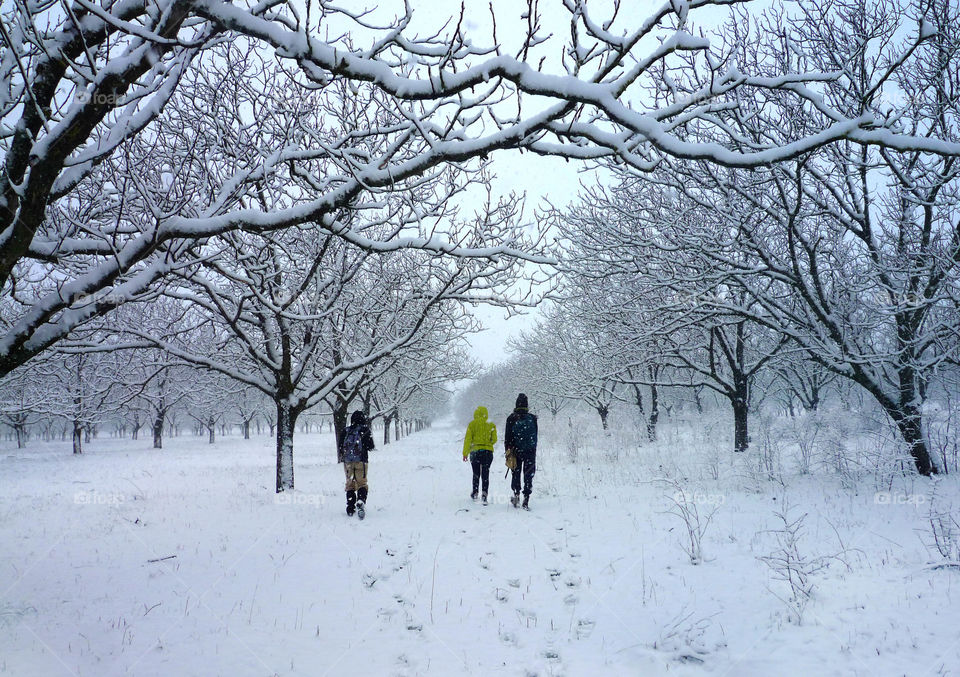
590	580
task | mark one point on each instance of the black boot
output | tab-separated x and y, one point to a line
484	498
526	501
362	502
351	502
515	500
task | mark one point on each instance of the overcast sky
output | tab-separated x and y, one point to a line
550	178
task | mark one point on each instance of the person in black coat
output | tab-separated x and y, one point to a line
521	441
354	453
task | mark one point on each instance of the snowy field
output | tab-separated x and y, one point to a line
182	561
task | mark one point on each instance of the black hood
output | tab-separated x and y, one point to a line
358	418
521	402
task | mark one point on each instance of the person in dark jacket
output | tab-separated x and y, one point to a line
355	446
521	441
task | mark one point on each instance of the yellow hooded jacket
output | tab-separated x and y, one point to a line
481	434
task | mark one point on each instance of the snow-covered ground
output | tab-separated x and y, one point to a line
182	561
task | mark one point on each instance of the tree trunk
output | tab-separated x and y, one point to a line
286	425
697	400
603	411
211	427
158	430
339	424
246	429
654	414
396	426
77	439
638	400
386	430
910	424
741	438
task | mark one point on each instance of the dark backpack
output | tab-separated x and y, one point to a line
525	432
353	445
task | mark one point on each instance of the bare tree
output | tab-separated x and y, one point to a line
851	251
85	88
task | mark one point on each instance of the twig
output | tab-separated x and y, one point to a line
433	581
160	559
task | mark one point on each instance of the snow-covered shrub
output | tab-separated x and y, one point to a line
685	505
768	449
789	565
573	441
941	429
805	432
838	452
944	532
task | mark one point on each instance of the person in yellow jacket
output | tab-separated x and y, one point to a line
478	447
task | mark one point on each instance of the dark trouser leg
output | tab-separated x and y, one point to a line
515	478
529	468
475	464
362	494
485	470
351	502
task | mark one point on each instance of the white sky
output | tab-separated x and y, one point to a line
551	178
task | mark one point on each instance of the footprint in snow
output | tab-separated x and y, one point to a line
508	638
514	582
551	656
571	600
527	615
585	628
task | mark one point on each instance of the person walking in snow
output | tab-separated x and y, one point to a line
478	448
520	440
354	449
